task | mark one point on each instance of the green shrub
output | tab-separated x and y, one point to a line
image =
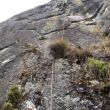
7	106
14	95
99	70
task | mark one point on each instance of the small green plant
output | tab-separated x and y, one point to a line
14	95
78	2
98	69
7	106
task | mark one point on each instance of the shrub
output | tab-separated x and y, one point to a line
14	95
98	69
77	55
7	106
61	49
83	55
58	48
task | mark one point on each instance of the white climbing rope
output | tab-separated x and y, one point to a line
51	97
65	2
63	32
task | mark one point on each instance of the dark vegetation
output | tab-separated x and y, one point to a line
98	70
95	74
62	49
14	96
7	106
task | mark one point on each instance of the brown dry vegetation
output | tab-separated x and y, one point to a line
102	47
58	48
62	49
31	48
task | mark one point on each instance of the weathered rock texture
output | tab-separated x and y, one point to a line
77	22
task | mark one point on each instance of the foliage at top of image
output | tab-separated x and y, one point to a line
14	95
98	69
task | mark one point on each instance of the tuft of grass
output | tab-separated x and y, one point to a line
14	95
24	73
83	55
62	49
7	106
23	76
31	48
103	46
78	2
97	30
98	69
77	55
58	48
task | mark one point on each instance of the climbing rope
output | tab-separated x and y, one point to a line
51	97
63	7
63	30
53	63
51	88
63	27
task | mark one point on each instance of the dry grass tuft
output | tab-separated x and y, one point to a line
62	49
31	48
58	48
77	55
103	46
78	2
97	30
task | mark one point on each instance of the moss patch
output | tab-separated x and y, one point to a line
7	106
98	70
14	95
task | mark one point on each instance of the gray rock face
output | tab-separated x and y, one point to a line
105	18
75	20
